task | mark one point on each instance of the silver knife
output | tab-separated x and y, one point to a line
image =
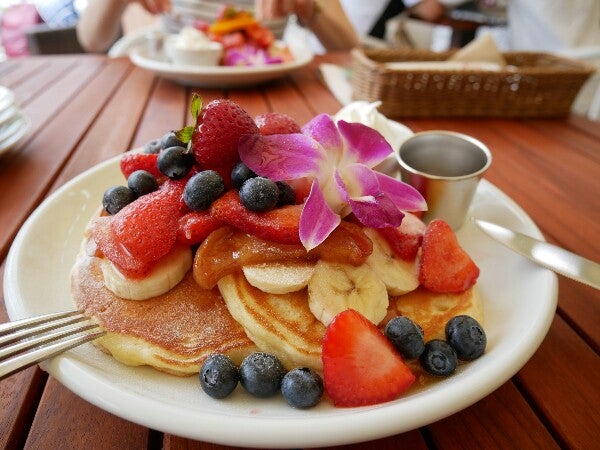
546	255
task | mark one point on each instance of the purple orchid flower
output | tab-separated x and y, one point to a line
339	158
249	55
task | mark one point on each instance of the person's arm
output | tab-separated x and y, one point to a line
326	19
99	25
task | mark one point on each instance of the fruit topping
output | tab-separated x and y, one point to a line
259	194
116	198
466	336
214	141
153	146
405	240
406	336
142	182
360	366
195	226
439	358
171	139
239	174
302	387
219	376
203	189
276	123
175	162
261	374
130	162
444	266
287	195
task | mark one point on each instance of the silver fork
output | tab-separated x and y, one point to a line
26	342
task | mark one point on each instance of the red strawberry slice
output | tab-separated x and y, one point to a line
195	226
220	125
405	240
280	225
360	366
147	228
445	267
276	123
130	162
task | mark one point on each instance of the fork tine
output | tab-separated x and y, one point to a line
39	354
26	342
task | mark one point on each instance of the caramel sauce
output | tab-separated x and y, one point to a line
227	249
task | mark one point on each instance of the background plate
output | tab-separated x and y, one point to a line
519	303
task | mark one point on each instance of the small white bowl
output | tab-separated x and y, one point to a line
209	54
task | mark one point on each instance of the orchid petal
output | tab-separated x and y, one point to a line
281	156
322	129
371	206
317	220
363	144
404	196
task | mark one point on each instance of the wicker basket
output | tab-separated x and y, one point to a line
533	85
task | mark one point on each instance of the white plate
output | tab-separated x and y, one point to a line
7	98
519	301
219	76
13	132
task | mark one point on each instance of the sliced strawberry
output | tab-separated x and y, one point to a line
110	248
360	366
445	267
262	36
279	225
220	125
276	123
147	228
405	240
195	226
130	162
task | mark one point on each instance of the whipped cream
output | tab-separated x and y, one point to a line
367	114
190	38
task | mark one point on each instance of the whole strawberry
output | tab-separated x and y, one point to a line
219	126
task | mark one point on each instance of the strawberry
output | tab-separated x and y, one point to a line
280	225
130	162
195	226
276	123
360	365
147	228
219	126
444	266
405	240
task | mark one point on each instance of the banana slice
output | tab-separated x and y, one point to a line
165	276
278	278
399	276
334	288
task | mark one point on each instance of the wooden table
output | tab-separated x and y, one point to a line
88	108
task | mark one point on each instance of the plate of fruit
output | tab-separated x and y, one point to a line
266	281
236	50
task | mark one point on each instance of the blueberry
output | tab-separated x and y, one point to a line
142	182
406	336
175	162
154	146
466	336
287	196
219	376
302	388
439	358
116	198
259	194
261	374
203	189
240	173
171	140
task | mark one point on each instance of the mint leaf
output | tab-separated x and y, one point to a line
196	106
185	134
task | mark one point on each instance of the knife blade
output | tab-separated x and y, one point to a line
545	254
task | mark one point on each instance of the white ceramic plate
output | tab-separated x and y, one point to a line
519	302
13	131
219	76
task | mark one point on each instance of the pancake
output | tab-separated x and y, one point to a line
173	332
281	324
432	311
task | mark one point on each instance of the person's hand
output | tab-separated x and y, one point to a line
429	10
272	9
153	6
